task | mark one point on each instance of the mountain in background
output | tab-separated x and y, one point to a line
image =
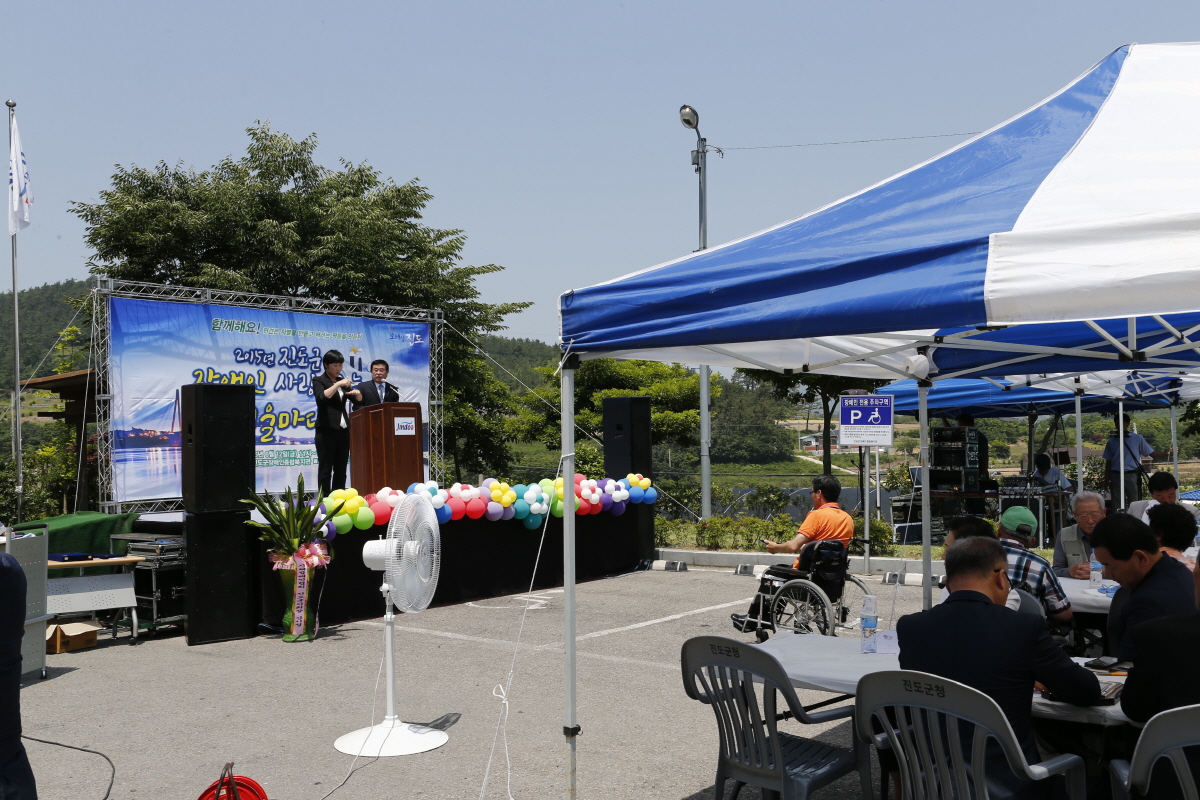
521	357
44	313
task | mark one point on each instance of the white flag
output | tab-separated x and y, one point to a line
20	193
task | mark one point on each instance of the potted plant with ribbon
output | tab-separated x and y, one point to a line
298	534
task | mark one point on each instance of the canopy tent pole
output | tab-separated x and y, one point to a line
1174	442
926	539
570	725
1120	460
705	442
878	486
1079	440
19	490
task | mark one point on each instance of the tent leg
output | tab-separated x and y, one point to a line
1174	443
878	486
1079	441
705	443
1121	457
570	726
926	539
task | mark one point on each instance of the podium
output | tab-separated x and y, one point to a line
386	446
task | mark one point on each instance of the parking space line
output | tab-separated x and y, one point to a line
637	625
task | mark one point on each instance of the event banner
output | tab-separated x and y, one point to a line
159	346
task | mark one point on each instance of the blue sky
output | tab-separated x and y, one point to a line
548	132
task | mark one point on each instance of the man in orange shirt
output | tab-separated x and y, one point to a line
825	521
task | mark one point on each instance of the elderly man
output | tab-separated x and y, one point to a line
1163	489
1073	548
1028	570
1155	584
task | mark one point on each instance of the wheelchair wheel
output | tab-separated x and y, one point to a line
847	610
801	607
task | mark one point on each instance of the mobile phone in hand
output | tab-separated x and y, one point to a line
763	542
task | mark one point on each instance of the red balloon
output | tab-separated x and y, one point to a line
370	499
382	511
457	507
476	508
584	507
597	507
579	476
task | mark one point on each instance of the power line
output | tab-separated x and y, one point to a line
851	141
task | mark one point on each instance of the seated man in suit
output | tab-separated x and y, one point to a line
376	390
1153	584
16	777
973	639
1164	489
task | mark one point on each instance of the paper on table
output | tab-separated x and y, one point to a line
886	643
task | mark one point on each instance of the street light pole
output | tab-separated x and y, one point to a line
691	120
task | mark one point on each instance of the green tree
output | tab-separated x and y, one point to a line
810	388
744	424
275	221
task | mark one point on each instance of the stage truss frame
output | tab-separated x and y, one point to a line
101	345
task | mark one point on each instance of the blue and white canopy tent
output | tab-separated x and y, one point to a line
1065	239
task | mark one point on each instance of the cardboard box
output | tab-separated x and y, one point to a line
71	636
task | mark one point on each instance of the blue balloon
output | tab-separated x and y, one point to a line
520	489
412	487
651	495
443	514
637	494
520	508
533	521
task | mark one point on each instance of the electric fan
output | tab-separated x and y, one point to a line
410	557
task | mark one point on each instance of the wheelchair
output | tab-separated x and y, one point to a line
820	597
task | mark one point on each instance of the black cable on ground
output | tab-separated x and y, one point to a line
111	765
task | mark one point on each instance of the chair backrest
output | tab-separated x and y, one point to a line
722	673
1165	736
826	561
938	730
1030	604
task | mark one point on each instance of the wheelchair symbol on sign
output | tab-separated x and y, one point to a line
874	419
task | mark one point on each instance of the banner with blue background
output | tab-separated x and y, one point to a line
158	346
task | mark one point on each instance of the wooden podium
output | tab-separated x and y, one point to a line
386	446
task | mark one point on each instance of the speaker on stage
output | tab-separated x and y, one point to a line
627	436
223	580
218	446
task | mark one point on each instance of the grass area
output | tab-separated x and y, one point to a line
913	552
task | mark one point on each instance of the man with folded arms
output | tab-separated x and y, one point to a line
1152	583
973	639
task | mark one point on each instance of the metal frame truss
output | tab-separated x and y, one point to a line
105	288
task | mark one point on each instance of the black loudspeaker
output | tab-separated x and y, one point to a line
627	436
218	446
223	581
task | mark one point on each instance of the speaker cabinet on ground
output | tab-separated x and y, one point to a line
218	446
627	436
223	577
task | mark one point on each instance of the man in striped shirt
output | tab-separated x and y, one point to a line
1028	570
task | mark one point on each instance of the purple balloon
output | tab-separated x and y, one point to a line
508	513
603	483
494	511
330	530
606	502
618	508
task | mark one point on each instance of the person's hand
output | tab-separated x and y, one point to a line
355	393
345	382
1080	571
772	547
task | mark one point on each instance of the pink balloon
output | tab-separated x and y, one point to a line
458	509
382	511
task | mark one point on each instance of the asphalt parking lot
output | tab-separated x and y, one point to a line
170	716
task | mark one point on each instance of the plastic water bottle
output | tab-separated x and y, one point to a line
1097	574
870	622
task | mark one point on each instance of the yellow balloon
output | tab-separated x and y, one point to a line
496	495
559	491
351	492
510	496
505	500
504	487
558	482
631	477
338	494
644	483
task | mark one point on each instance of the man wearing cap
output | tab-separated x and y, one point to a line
1028	570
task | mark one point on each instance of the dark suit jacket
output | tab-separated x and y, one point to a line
330	410
1168	651
370	396
1001	653
1166	591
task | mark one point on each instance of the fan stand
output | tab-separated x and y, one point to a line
391	737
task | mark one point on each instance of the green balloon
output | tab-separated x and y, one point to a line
343	523
364	518
556	507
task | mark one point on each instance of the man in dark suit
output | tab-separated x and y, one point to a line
16	777
377	389
332	433
973	639
1152	583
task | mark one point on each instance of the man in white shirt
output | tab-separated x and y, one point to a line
1163	489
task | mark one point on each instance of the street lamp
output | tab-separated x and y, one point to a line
691	120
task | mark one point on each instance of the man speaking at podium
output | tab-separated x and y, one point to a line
376	390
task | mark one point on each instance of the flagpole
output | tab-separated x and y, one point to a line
12	115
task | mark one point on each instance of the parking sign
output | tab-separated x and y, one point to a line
866	420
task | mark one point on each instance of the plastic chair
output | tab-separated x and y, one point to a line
1029	604
722	673
1165	736
923	719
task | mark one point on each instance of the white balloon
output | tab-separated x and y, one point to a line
393	500
384	492
437	500
456	490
